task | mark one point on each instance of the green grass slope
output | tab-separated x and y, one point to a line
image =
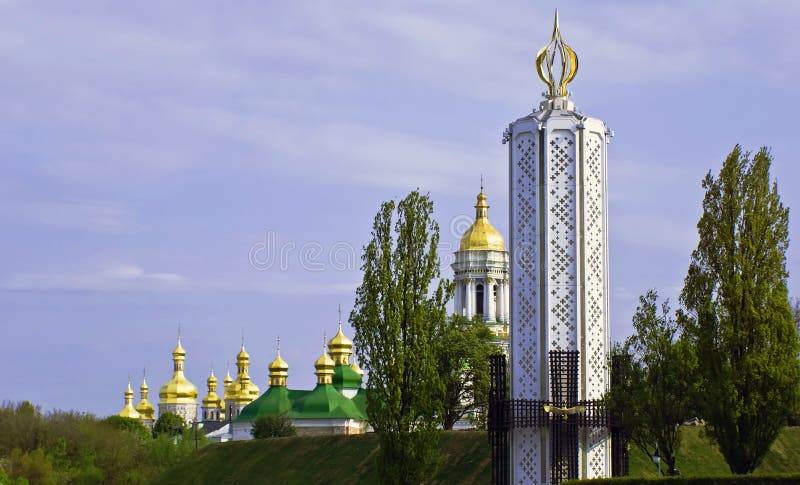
465	460
698	457
323	460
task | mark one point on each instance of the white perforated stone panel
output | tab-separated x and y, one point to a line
595	286
558	273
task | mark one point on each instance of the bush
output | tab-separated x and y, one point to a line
267	426
169	424
71	447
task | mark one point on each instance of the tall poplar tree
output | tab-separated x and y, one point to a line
739	319
395	320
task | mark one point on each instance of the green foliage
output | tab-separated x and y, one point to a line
69	447
170	424
270	426
659	381
739	320
395	319
135	426
463	350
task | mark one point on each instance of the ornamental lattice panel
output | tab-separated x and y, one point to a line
525	280
561	241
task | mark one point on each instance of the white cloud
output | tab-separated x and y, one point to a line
112	278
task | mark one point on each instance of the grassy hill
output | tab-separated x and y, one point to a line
351	459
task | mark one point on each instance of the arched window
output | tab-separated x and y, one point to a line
479	299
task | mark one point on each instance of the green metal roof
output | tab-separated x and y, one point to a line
344	377
325	402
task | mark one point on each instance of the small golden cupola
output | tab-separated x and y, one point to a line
178	390
212	400
227	383
324	366
340	346
146	410
246	390
482	236
213	405
128	411
278	369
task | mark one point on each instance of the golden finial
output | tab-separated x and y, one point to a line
278	346
546	57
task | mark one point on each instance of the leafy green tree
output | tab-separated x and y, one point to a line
796	311
271	426
395	318
132	425
170	424
739	319
463	350
659	374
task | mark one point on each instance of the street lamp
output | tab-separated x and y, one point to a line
657	461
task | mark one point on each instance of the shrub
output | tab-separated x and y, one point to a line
269	426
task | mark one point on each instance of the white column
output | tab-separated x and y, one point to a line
470	298
501	304
506	304
489	306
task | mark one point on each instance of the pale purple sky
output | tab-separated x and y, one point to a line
150	153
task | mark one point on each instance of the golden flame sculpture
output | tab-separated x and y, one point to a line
546	57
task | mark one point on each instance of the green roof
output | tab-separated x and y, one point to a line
277	400
344	377
324	402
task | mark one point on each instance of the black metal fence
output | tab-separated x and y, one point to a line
564	419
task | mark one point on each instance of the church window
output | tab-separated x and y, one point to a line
479	299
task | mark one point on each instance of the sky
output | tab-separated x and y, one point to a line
218	166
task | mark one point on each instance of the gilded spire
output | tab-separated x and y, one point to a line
545	60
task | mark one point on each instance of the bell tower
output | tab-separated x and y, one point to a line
480	272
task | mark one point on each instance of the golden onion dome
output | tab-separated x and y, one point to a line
324	362
482	236
128	410
324	369
212	400
178	351
278	364
340	341
178	390
242	355
144	408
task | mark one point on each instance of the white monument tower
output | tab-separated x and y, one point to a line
559	277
